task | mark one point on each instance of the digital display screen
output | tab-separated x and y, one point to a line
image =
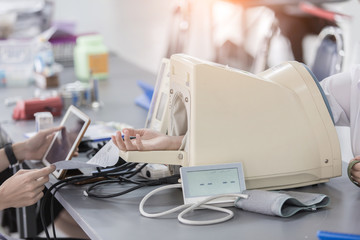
161	108
213	182
65	139
155	96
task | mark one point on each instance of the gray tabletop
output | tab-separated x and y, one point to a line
119	217
117	93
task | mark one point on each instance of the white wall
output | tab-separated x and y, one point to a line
136	29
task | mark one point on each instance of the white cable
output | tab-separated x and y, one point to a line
202	204
154	215
190	207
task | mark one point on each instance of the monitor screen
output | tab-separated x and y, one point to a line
65	140
213	182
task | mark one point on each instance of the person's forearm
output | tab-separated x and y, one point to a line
176	142
19	151
4	162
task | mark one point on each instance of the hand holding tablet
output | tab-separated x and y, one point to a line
67	140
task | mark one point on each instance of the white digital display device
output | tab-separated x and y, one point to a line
157	115
67	140
201	182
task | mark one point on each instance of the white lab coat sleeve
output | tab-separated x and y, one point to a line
343	93
337	91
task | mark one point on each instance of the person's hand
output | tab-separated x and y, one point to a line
24	188
34	148
145	140
355	170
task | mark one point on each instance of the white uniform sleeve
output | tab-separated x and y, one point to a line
343	93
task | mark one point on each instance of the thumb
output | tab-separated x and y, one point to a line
50	137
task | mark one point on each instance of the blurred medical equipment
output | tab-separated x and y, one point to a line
43	120
81	94
25	109
157	115
63	42
23	19
281	203
329	54
223	185
91	58
144	100
17	61
277	123
24	60
205	187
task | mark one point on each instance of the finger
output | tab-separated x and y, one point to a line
51	130
133	132
355	173
38	189
139	143
356	179
356	167
22	171
113	138
119	141
75	152
38	186
50	137
37	198
35	174
129	145
42	180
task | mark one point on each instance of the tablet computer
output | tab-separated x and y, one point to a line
67	140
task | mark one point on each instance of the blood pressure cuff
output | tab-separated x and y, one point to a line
281	203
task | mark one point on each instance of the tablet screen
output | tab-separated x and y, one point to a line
65	139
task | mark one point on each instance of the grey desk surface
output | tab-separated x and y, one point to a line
118	94
119	218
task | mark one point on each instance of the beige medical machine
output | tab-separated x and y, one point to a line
277	123
157	118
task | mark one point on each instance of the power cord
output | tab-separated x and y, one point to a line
190	207
119	174
49	195
165	180
124	169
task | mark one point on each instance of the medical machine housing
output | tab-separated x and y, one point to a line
277	123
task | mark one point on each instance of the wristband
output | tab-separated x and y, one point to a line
10	155
351	164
